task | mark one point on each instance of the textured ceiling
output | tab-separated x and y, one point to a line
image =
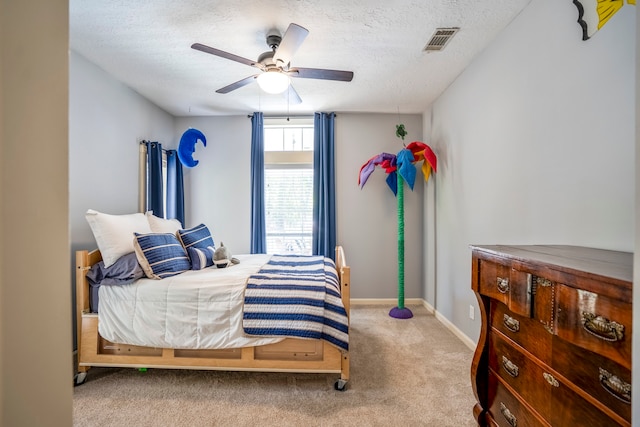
146	45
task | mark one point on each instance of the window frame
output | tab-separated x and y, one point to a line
282	160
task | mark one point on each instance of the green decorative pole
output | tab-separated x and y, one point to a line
400	242
400	312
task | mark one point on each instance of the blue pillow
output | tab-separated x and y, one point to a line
160	255
201	257
122	272
197	237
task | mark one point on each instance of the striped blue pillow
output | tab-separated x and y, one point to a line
197	237
160	254
201	257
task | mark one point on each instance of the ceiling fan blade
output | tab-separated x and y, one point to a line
291	41
317	73
292	96
227	55
237	85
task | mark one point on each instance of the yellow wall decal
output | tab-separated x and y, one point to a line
593	14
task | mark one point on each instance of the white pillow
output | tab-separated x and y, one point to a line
161	225
114	233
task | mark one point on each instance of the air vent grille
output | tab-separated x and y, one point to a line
440	38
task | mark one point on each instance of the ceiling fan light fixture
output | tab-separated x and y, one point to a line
273	81
274	65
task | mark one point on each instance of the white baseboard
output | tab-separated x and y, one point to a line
457	332
429	307
387	301
419	301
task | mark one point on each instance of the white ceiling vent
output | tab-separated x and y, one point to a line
440	39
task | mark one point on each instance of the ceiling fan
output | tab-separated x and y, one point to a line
275	65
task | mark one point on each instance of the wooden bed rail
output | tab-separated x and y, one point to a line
344	273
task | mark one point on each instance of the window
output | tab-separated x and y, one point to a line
288	191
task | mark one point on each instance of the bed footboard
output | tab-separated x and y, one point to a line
289	355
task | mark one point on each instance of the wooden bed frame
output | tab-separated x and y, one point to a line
289	355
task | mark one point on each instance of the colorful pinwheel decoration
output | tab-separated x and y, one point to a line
401	168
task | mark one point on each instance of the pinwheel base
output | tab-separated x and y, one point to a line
401	313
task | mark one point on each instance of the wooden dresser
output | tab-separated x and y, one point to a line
555	343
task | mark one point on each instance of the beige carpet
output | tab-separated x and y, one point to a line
403	372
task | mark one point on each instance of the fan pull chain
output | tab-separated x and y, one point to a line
288	99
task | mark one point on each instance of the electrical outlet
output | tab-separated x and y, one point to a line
472	312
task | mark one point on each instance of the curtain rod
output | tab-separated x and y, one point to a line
285	117
144	141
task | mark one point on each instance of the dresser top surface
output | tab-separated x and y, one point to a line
577	259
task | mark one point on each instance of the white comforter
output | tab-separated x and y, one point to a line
195	310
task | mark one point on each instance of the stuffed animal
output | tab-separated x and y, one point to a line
222	257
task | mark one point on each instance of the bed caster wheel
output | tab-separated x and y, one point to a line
79	379
340	385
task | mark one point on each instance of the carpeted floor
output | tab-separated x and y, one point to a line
403	372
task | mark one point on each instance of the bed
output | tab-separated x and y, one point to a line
304	354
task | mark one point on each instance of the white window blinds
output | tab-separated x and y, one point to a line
289	210
289	186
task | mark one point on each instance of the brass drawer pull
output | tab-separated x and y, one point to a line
510	323
511	368
506	413
602	328
615	386
540	281
503	285
550	379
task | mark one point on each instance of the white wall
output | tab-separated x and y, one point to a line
107	120
218	189
429	225
536	145
367	217
35	298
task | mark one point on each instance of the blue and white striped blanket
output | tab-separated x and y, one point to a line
299	297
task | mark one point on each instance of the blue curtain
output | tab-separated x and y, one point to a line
175	187
258	226
324	186
155	196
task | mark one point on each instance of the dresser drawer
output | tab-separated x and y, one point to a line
520	372
570	409
596	323
529	333
598	376
502	283
494	280
506	410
